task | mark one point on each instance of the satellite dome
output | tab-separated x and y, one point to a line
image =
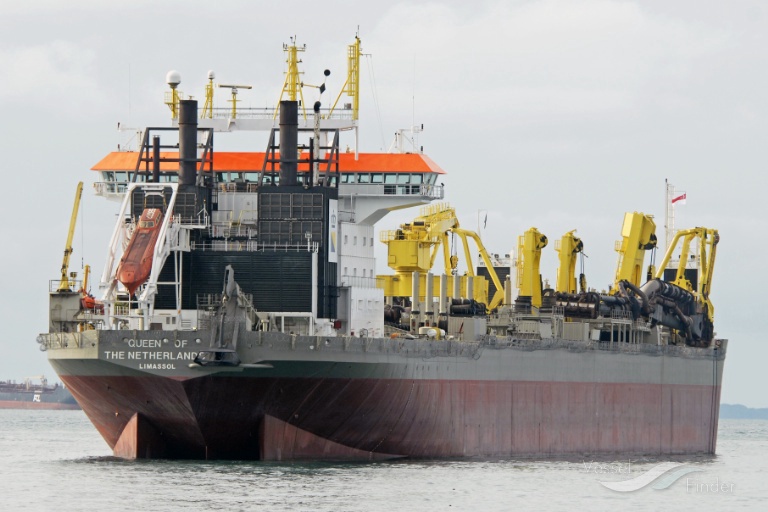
173	78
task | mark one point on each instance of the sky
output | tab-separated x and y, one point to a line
558	114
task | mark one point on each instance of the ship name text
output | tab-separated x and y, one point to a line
145	355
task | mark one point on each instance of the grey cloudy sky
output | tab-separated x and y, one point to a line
559	114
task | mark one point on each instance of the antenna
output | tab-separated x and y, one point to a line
234	99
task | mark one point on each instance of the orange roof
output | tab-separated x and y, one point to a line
253	162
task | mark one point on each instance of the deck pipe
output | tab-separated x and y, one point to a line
415	313
443	295
187	142
156	159
428	298
470	287
289	142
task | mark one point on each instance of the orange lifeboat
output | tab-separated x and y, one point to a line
136	263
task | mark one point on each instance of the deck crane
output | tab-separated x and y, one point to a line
415	245
529	246
638	235
64	285
568	247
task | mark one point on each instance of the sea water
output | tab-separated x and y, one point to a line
56	460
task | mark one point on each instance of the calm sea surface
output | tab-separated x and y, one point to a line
55	460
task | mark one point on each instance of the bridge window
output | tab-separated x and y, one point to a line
403	178
377	178
416	178
364	178
390	178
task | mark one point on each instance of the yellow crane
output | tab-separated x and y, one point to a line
568	247
638	235
529	246
65	286
415	245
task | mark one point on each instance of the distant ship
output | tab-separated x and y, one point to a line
251	323
35	393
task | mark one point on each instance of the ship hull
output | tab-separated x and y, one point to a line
53	406
48	399
384	400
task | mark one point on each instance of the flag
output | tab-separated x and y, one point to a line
485	222
679	199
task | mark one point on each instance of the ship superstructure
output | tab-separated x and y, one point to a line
241	315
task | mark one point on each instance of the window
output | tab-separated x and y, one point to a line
377	178
364	178
345	240
371	241
416	178
364	241
354	240
364	271
390	178
403	178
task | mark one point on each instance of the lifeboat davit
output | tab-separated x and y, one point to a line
136	263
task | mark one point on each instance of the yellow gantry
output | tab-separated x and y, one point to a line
708	240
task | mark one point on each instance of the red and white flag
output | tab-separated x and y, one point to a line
679	199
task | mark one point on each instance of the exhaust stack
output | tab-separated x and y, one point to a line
289	136
187	142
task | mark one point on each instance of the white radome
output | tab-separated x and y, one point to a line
173	78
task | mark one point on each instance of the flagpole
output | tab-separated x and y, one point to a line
666	215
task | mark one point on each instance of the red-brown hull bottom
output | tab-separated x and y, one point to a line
305	418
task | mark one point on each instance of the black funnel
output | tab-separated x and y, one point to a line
289	136
187	142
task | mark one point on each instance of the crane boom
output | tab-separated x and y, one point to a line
64	285
638	235
529	249
568	247
414	248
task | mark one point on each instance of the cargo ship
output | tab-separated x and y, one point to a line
258	328
35	393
